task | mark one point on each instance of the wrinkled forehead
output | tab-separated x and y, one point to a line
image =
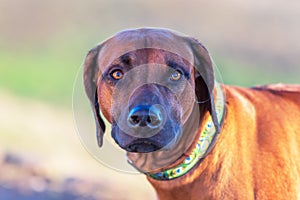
129	41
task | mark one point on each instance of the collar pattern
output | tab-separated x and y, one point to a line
203	145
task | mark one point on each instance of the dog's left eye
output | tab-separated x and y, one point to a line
176	75
117	74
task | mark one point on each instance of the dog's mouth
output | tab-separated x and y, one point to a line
143	146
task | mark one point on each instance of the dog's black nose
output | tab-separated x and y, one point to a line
141	116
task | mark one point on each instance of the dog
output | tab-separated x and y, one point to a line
193	137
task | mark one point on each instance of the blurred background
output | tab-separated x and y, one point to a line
43	44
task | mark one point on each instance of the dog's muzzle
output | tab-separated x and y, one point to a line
149	122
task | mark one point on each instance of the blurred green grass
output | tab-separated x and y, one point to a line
46	73
245	74
25	75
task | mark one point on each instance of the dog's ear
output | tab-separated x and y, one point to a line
204	78
90	74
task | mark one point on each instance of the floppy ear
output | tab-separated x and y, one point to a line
90	73
204	78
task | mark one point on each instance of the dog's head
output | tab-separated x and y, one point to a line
146	83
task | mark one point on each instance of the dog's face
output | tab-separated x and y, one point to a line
147	82
147	88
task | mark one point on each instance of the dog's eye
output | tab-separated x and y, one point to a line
176	75
117	74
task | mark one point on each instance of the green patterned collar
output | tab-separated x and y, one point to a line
205	143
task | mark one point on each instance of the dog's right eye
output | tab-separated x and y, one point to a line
117	74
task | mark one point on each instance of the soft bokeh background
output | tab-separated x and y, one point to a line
43	44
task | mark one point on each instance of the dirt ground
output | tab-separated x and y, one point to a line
21	180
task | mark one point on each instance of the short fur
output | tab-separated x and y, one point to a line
257	154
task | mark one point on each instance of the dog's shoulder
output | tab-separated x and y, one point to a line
265	98
280	87
286	91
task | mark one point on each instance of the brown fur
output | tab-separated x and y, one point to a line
257	155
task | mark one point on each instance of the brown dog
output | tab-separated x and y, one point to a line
192	137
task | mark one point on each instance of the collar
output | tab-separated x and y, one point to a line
204	145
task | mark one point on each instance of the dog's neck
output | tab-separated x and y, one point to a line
203	146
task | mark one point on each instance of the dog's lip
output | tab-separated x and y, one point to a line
143	146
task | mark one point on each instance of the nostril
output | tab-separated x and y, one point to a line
153	120
134	120
156	116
